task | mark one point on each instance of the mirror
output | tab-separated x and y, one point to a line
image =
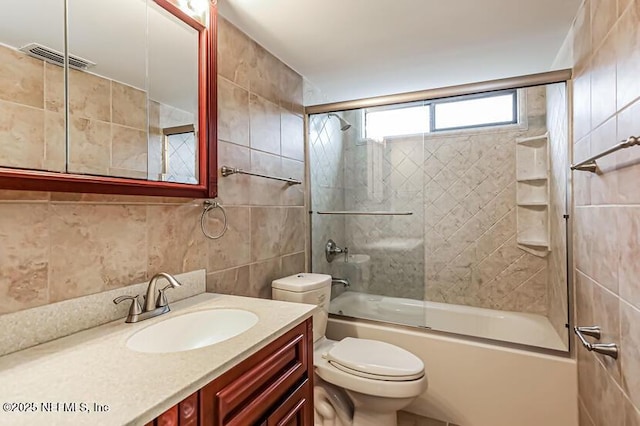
31	90
139	106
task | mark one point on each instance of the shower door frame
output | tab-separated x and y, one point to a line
519	82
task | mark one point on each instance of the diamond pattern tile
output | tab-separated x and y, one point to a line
459	245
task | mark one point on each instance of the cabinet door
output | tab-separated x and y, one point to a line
183	414
248	392
296	410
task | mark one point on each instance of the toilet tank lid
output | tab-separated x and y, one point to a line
302	282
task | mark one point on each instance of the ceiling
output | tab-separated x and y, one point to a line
352	49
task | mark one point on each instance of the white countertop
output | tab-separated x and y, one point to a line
95	366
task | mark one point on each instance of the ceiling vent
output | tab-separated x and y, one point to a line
54	57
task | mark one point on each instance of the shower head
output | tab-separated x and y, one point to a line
344	124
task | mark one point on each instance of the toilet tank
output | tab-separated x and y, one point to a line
314	289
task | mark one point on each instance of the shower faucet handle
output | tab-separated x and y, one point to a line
331	250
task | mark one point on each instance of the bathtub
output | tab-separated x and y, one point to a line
514	327
471	383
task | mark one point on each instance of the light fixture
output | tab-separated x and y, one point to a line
196	8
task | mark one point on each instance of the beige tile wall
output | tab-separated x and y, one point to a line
460	243
471	254
57	246
606	212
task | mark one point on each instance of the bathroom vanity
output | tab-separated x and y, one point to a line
261	376
272	387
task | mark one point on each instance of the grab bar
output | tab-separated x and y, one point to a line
609	349
358	213
589	165
228	171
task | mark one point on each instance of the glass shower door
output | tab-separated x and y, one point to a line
367	199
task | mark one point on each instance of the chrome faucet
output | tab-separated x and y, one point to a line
331	250
340	281
153	306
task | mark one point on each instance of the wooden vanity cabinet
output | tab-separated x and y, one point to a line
273	387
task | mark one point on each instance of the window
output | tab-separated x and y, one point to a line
477	111
396	121
465	112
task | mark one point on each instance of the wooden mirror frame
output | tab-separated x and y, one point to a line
36	180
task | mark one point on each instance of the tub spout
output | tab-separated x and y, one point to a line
340	281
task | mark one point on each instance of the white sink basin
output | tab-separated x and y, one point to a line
192	331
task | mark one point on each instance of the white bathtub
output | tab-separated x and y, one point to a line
515	327
478	384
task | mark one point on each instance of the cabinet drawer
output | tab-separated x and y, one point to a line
295	410
248	392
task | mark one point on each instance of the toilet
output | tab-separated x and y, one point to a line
361	382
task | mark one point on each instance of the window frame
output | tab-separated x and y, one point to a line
514	110
431	105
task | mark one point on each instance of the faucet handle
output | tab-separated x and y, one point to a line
162	298
135	308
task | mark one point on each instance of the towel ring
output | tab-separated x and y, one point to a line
208	206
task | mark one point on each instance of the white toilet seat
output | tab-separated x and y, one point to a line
366	385
375	360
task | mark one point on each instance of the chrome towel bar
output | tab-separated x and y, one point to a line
228	171
358	213
589	165
609	349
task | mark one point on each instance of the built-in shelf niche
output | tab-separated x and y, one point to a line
532	192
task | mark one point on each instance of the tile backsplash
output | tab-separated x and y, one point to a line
59	246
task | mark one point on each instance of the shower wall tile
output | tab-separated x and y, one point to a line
59	246
471	256
605	221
